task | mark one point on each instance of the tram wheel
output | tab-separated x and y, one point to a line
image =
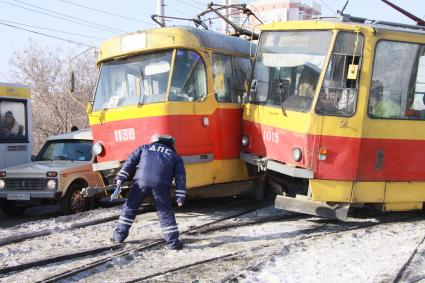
259	190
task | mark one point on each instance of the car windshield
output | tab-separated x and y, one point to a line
288	67
72	150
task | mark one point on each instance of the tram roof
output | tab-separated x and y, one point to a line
346	23
172	37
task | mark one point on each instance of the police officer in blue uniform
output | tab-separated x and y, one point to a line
154	166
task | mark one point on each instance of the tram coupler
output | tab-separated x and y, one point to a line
105	191
303	204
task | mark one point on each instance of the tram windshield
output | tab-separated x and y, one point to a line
288	67
144	79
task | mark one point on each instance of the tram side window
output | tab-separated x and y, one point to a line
13	127
222	76
241	68
189	77
230	76
338	96
398	81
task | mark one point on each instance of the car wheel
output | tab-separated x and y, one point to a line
11	208
73	201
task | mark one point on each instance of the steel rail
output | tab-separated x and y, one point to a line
48	231
125	252
234	277
403	269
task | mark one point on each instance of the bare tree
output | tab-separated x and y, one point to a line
46	71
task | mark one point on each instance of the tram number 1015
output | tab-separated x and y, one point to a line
271	136
124	135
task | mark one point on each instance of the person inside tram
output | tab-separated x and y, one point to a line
384	106
10	128
307	82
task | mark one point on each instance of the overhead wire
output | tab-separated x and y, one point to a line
47	35
328	7
197	2
65	19
65	15
180	12
49	29
105	12
189	4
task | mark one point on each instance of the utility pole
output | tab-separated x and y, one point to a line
226	14
160	10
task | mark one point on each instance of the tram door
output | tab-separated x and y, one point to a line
396	111
230	75
341	122
189	88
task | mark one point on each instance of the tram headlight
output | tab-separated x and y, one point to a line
297	154
51	184
97	148
245	141
2	184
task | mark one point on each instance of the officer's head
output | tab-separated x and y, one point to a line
164	139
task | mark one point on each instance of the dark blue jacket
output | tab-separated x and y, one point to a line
155	165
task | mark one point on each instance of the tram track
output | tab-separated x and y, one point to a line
400	274
232	278
238	255
15	239
116	250
266	257
113	252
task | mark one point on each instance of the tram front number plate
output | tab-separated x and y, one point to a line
25	196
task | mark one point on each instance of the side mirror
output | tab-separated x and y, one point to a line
33	157
72	81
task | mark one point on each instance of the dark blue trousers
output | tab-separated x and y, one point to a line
162	202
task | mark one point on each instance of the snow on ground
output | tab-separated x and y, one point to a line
372	255
58	223
146	227
278	250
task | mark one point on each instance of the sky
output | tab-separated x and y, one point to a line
88	23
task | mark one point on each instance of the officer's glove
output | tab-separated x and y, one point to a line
117	193
179	204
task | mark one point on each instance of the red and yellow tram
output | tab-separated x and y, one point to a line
180	81
336	115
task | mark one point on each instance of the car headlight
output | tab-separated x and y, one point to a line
2	184
245	140
97	148
297	154
51	184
